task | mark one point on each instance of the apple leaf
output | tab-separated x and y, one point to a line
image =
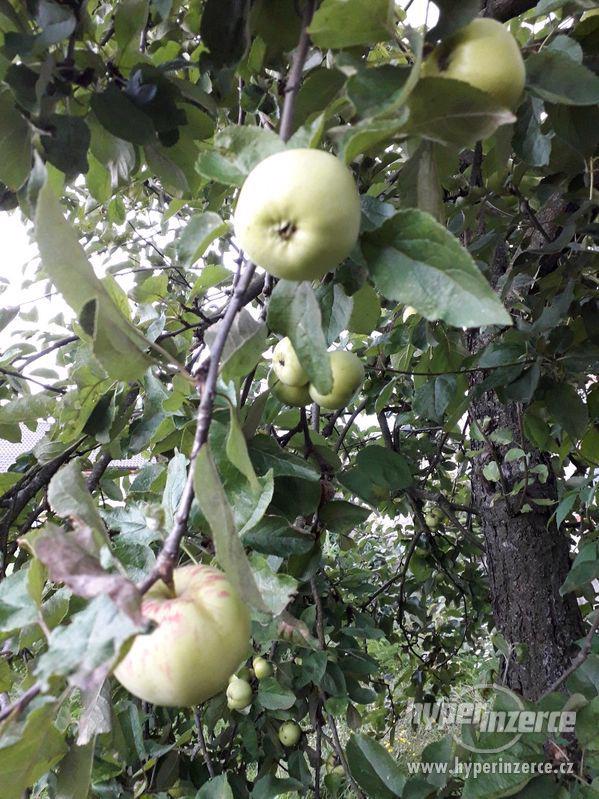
373	768
216	788
346	23
69	497
15	143
117	344
230	553
335	308
557	78
452	17
453	112
416	261
294	311
244	345
236	152
73	776
199	233
68	558
237	451
29	749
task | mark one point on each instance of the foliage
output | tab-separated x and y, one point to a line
126	129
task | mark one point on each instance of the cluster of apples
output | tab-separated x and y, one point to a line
240	695
289	381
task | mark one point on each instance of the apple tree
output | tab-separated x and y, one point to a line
380	423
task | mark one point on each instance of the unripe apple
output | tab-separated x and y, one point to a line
239	694
286	365
243	674
289	733
297	396
485	55
348	375
298	214
407	312
202	635
262	668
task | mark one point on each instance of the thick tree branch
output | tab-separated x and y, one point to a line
507	9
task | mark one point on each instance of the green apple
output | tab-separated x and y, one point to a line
298	214
366	311
201	637
297	396
239	694
243	674
485	55
286	365
348	375
289	733
262	668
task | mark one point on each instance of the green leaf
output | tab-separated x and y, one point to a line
376	91
121	117
377	474
266	454
432	398
294	311
416	261
67	144
87	648
15	143
237	451
335	308
584	570
118	345
73	777
373	768
69	497
346	23
453	112
230	554
567	408
364	136
554	76
274	536
28	409
216	788
198	234
29	751
224	31
452	17
129	21
17	608
272	695
342	517
244	345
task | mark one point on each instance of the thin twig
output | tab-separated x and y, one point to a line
202	743
21	703
358	409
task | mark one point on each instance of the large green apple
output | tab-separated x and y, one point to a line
483	54
348	376
297	396
286	365
298	214
201	637
289	733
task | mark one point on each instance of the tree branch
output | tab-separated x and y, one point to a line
295	73
507	9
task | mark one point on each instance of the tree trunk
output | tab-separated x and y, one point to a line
528	558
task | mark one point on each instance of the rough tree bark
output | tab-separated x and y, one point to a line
528	558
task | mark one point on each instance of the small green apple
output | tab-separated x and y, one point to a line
297	396
289	733
485	55
244	673
262	668
298	214
366	311
348	375
202	635
286	365
239	694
